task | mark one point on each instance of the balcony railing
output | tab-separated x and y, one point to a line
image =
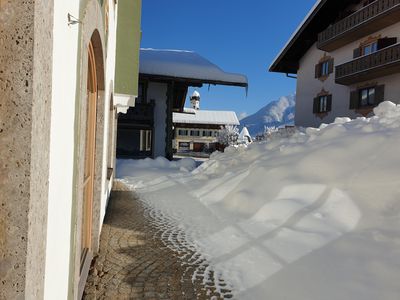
373	17
381	63
142	113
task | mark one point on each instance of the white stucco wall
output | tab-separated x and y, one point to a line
65	49
62	144
158	92
308	86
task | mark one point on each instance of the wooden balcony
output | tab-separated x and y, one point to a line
371	18
381	63
141	114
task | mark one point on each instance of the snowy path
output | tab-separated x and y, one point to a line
253	249
319	212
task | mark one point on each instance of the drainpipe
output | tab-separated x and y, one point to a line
291	76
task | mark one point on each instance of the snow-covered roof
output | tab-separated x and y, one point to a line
206	117
186	65
244	133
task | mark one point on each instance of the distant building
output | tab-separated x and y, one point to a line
197	130
347	59
245	137
165	76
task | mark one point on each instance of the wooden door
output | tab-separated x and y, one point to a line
198	147
90	148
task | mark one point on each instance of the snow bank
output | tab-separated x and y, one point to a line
141	171
125	166
318	212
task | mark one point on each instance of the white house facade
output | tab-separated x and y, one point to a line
346	57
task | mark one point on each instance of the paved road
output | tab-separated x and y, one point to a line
135	263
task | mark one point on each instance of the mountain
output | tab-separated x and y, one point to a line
274	114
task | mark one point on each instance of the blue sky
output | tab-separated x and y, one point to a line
238	36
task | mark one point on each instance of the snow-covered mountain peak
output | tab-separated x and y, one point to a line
274	114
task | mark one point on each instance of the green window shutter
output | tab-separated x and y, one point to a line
379	94
329	103
316	105
318	71
331	64
357	52
354	100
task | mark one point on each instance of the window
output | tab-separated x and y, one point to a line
207	133
322	104
373	46
324	68
368	49
367	97
182	132
194	133
145	140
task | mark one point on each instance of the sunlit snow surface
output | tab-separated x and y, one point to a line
315	216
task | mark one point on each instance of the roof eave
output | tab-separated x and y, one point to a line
192	81
291	67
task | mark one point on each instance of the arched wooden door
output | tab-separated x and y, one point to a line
90	150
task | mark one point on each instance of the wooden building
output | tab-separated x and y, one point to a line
165	76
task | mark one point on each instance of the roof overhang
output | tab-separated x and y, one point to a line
324	13
185	67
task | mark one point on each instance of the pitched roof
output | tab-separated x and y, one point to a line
206	117
186	65
323	13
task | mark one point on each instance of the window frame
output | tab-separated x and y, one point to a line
207	133
324	68
373	46
356	100
195	135
323	104
368	102
183	130
145	140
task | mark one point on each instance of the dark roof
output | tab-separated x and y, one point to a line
324	13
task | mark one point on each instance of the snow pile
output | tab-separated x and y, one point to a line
141	171
313	216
